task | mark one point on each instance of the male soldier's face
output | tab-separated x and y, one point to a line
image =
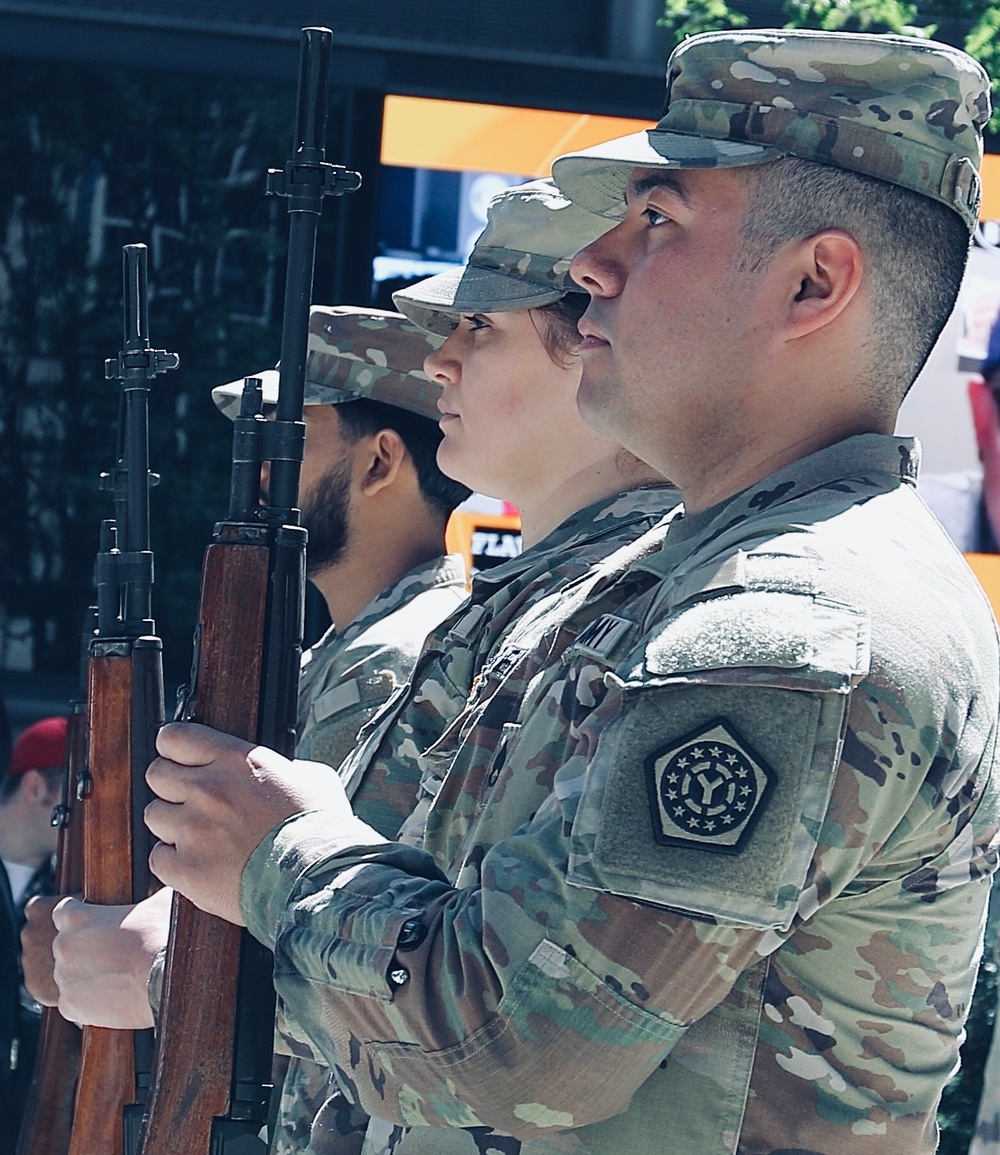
324	487
673	324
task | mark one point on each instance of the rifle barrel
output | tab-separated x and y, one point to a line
210	1092
124	711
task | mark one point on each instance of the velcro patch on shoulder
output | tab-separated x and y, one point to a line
469	623
820	642
338	698
707	789
708	798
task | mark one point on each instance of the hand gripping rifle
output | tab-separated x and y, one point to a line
48	1112
124	711
211	1087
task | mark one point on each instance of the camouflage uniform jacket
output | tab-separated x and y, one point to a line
382	776
348	676
388	764
719	887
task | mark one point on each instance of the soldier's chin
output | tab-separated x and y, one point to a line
595	404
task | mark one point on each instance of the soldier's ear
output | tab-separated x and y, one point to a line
384	455
34	788
825	275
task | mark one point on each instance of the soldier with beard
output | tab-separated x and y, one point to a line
375	504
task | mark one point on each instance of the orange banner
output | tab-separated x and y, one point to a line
458	136
986	567
463	137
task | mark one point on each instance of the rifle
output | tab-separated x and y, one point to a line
124	711
48	1112
212	1081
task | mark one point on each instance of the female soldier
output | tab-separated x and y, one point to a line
510	370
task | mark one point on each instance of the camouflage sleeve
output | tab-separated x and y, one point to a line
614	916
460	1007
314	1118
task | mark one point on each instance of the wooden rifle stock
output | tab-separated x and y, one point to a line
211	1088
48	1115
124	712
117	673
194	1075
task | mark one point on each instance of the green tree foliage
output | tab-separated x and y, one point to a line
970	24
689	17
983	42
858	16
93	160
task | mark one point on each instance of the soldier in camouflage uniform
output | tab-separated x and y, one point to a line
366	355
357	666
371	438
521	260
523	256
717	883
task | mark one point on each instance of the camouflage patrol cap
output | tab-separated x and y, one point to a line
520	261
904	110
356	353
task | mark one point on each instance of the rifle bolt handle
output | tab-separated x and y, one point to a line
83	781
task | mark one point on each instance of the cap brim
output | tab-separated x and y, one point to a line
434	304
227	397
596	178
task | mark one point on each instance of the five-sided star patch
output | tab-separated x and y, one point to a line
707	789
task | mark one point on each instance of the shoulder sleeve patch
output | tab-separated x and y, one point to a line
707	789
709	798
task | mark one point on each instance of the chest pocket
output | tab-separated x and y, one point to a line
710	779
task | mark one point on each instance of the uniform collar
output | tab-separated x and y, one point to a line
850	471
591	523
438	573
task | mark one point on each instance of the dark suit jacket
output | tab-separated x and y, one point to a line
19	1018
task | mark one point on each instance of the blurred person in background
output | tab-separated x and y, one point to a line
967	503
30	790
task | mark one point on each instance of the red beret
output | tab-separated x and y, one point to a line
41	747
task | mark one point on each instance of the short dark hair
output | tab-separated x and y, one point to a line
558	332
420	435
916	250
